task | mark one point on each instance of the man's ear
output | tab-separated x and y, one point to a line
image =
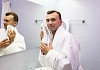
15	23
60	22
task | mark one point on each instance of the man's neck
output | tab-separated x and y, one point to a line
53	33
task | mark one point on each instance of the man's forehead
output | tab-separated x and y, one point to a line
8	17
53	15
50	17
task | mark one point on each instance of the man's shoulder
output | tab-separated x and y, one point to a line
67	34
20	35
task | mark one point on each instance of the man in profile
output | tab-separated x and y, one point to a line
11	40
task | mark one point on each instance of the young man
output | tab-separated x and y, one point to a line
58	50
11	40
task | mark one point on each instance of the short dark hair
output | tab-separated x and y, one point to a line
52	11
13	14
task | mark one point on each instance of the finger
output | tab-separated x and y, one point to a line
9	32
42	32
41	48
4	40
42	44
14	32
5	43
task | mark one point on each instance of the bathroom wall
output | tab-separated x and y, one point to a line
87	33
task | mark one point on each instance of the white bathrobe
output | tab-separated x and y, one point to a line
16	46
65	54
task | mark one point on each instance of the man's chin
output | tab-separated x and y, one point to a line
52	30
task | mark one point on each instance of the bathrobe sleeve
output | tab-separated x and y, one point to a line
17	45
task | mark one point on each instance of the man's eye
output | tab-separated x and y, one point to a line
5	20
47	20
52	19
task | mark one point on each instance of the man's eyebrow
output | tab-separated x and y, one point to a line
50	18
6	20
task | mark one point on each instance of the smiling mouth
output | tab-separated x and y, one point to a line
50	26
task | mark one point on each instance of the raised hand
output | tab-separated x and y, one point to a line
11	34
41	34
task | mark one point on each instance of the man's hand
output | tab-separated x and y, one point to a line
4	43
44	48
11	34
41	34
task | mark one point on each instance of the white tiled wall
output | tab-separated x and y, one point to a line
87	33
